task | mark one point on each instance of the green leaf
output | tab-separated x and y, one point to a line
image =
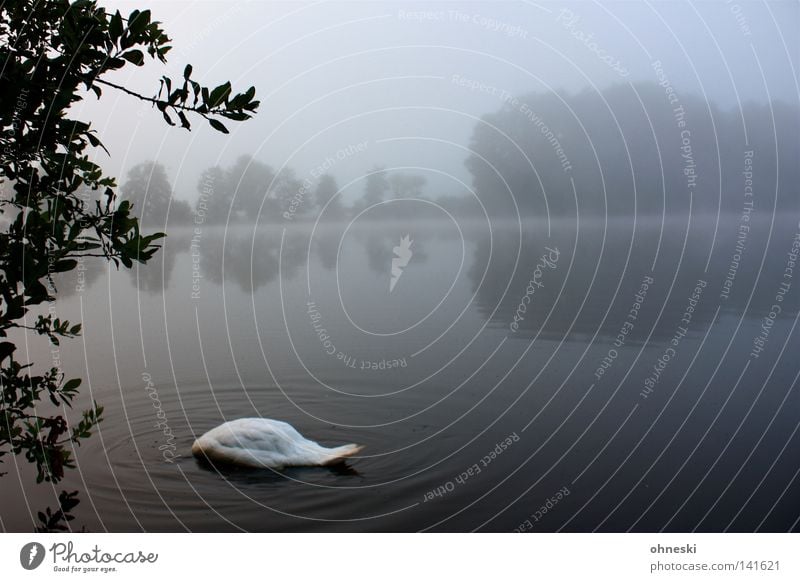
6	349
134	56
138	21
116	26
184	121
218	126
71	385
219	94
93	139
65	265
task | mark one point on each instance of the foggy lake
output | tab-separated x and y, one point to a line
538	259
458	408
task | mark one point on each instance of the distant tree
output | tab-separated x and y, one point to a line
246	190
407	185
247	183
282	190
326	194
149	191
375	188
55	54
215	198
542	157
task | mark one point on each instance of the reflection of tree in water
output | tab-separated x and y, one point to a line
326	245
379	244
84	276
379	252
251	262
154	276
638	175
600	267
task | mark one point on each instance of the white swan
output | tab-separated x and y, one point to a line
266	443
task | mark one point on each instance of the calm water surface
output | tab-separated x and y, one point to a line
628	394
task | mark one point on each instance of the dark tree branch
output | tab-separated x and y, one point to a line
155	101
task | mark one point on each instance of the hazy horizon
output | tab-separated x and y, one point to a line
334	75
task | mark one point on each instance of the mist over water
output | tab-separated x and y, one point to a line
540	259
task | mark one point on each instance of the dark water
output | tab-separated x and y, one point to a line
469	423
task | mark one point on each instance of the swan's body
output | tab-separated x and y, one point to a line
265	443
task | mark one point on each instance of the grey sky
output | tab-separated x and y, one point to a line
404	77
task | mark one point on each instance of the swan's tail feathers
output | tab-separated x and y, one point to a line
339	454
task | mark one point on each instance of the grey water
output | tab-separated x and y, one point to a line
532	375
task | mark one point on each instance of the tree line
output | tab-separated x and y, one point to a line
634	149
250	188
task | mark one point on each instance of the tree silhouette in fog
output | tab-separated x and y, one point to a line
280	193
630	149
149	191
246	184
399	185
326	193
247	190
375	187
213	203
406	185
